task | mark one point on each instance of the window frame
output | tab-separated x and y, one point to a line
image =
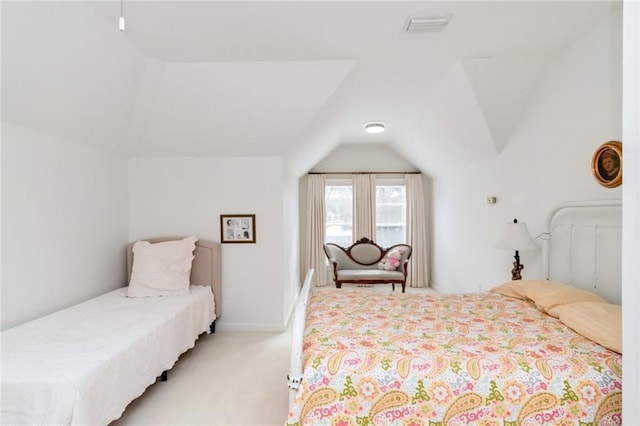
381	180
338	181
393	181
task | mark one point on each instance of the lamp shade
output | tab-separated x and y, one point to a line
515	236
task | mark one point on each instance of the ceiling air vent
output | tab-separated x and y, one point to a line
427	24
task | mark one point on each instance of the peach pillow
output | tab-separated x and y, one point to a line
548	295
600	322
512	289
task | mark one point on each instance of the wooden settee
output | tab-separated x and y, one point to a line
360	263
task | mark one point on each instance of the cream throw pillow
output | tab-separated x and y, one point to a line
161	269
600	322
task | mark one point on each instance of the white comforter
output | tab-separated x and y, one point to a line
84	364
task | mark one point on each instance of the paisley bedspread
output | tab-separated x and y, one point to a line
374	358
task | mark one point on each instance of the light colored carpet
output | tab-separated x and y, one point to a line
228	378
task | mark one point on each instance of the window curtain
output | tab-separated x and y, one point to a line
364	206
315	257
417	233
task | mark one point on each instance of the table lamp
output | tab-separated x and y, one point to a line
515	236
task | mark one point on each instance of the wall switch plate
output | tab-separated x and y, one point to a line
492	200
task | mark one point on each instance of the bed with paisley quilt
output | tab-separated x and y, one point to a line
485	358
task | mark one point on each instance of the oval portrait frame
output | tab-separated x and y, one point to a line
613	151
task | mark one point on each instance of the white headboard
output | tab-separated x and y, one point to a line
582	246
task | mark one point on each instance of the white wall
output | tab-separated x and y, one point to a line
372	157
631	214
575	108
64	223
185	196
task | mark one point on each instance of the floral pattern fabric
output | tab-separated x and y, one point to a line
408	359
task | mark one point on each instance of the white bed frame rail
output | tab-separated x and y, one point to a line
294	378
594	236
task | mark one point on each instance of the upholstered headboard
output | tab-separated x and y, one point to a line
206	269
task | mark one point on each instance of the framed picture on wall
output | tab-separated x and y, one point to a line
606	164
237	228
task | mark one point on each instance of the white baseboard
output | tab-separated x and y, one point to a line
250	327
435	288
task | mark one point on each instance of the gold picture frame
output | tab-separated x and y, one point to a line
606	164
237	228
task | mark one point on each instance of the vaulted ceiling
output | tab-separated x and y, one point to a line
292	79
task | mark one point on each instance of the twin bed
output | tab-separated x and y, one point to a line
84	364
527	352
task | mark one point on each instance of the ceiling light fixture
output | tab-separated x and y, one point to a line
121	20
374	127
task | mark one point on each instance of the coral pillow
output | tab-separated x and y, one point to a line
600	322
161	269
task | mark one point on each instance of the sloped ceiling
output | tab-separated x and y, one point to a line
293	79
502	104
231	108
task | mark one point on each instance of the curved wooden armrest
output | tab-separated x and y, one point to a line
405	268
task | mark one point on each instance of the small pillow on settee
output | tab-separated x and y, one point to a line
391	262
161	269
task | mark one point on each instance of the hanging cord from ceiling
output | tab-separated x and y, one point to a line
121	20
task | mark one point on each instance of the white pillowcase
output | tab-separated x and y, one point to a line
161	269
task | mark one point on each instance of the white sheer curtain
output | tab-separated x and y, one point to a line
417	231
364	206
314	253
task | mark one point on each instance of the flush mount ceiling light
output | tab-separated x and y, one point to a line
374	127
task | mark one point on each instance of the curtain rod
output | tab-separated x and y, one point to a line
364	173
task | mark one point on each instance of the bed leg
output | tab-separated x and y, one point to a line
212	327
163	376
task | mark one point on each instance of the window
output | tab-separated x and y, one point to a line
391	212
338	199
